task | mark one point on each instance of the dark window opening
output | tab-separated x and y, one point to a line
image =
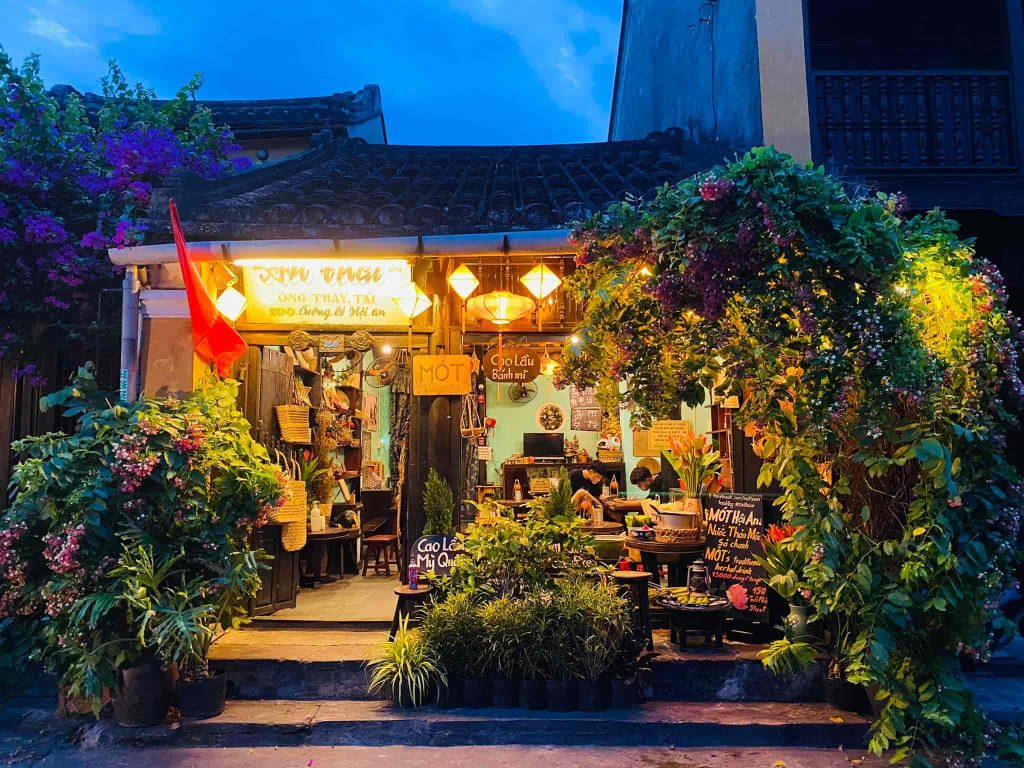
900	35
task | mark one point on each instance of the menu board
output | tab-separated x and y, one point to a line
662	432
433	554
735	527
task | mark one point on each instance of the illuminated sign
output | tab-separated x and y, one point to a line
326	292
515	364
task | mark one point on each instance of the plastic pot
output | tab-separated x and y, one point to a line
504	693
847	696
144	694
476	693
203	698
451	695
592	695
625	694
533	694
561	695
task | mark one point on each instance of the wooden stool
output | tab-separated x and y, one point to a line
408	601
382	544
684	622
633	584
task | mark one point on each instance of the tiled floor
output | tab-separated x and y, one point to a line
354	598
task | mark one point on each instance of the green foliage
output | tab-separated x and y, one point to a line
787	657
452	628
508	558
438	506
406	669
876	364
132	534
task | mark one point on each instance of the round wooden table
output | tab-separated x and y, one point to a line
408	601
603	528
685	620
313	553
649	551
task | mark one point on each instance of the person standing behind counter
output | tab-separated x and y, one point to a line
586	481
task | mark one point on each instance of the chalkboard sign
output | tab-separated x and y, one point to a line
735	527
433	553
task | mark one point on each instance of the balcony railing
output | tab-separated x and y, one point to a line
917	121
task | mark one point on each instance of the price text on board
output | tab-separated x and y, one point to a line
735	527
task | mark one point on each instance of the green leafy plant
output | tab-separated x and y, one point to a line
406	669
453	629
310	471
784	560
438	506
788	657
876	367
160	496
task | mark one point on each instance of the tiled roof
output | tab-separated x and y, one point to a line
351	189
277	117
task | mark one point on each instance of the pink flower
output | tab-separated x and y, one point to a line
737	595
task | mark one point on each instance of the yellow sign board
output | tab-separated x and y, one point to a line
442	374
663	431
326	292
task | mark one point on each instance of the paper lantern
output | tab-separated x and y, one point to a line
500	307
412	302
540	281
463	282
231	303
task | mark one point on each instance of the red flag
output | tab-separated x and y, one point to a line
214	338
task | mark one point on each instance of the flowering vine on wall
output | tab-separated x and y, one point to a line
72	186
877	366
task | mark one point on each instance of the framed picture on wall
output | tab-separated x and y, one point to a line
371	412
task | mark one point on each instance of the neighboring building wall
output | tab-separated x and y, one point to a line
690	64
783	74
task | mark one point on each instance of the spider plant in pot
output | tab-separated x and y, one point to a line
605	621
532	651
452	628
406	669
566	626
698	466
783	560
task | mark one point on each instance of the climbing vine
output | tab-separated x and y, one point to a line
876	364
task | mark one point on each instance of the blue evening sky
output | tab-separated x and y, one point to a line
450	71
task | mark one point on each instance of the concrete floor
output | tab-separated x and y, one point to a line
262	640
354	598
449	757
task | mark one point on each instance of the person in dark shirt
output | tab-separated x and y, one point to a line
645	480
586	480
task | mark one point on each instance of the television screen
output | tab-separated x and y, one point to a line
544	444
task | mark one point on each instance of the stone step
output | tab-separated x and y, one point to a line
376	723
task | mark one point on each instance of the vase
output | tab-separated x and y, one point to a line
592	695
144	693
797	619
533	694
561	695
203	698
504	693
476	693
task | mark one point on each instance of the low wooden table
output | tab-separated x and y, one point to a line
686	620
649	551
603	528
313	552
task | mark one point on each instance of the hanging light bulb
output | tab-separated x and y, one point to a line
548	366
231	303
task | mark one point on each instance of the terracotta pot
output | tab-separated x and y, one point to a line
203	698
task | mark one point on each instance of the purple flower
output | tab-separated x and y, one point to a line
713	190
7	235
44	228
95	240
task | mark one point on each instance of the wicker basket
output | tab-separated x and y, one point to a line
678	535
294	422
294	508
293	536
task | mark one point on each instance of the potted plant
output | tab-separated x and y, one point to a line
629	668
566	626
508	643
438	506
605	621
406	669
452	629
698	467
532	656
783	561
183	479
